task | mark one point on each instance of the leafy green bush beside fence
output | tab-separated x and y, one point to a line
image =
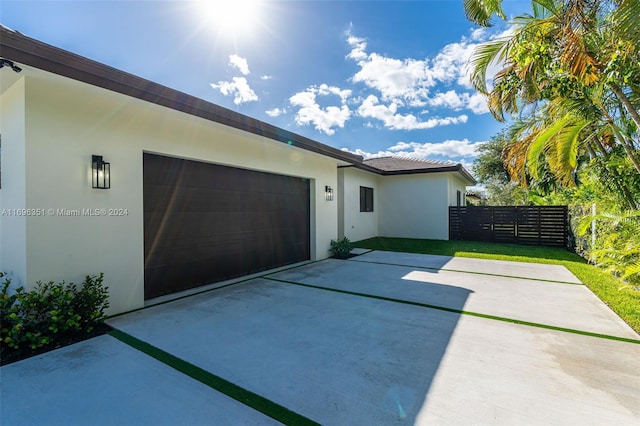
51	313
617	243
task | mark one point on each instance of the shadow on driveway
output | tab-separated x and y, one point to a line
335	358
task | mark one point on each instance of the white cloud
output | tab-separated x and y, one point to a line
359	45
397	80
324	119
239	88
266	77
478	103
405	83
368	155
449	99
457	101
324	89
450	148
276	112
451	64
468	165
455	151
479	34
239	63
371	108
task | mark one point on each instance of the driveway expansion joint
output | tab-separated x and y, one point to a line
462	312
242	395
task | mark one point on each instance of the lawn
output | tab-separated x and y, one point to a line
622	299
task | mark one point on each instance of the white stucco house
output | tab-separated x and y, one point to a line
103	171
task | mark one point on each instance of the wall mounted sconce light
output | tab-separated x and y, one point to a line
100	173
328	193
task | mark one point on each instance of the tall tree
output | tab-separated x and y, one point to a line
571	71
490	171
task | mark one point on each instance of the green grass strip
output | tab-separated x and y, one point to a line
255	401
462	272
622	298
461	312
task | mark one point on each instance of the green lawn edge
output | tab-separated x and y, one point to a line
623	300
462	312
244	396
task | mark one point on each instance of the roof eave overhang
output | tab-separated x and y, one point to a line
455	168
28	51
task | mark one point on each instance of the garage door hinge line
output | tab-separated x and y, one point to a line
244	396
461	312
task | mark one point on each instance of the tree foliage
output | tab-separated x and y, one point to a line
568	85
490	170
569	72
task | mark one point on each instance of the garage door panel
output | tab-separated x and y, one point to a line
192	234
198	225
207	200
179	250
206	223
192	273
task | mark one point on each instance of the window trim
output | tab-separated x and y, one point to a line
366	199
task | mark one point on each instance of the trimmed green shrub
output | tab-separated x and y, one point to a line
341	248
51	313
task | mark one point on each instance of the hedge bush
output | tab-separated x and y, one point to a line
51	313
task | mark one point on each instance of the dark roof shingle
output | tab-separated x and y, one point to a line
405	165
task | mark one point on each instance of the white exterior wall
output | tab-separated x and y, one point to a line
353	223
67	122
415	206
13	225
456	184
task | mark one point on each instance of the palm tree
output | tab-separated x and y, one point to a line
481	11
568	69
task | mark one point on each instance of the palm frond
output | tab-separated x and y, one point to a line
538	144
626	20
544	8
515	154
631	270
578	60
564	159
615	219
484	55
481	11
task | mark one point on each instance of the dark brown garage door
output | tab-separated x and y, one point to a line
205	223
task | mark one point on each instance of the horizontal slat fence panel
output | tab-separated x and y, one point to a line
530	225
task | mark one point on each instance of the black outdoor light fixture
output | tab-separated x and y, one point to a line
10	64
100	173
328	193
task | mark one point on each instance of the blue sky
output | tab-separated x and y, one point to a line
371	77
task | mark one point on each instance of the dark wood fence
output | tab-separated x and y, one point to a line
533	225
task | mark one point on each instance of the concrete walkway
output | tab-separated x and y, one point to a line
383	338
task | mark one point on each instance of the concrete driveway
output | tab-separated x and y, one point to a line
383	338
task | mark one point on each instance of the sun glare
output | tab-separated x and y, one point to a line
230	16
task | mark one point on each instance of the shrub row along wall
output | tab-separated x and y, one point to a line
532	225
